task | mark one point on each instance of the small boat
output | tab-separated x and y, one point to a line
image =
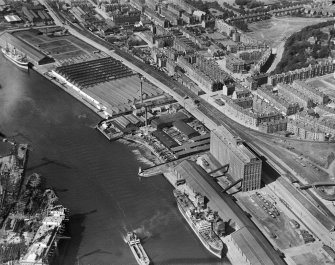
137	249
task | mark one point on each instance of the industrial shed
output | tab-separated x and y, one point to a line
165	139
247	238
185	129
34	56
124	124
168	119
133	119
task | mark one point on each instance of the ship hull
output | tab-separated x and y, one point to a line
23	66
136	249
216	252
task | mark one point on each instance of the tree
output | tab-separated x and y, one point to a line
242	2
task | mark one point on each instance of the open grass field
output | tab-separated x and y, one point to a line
275	30
62	48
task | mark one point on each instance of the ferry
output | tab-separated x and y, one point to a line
204	223
137	249
18	59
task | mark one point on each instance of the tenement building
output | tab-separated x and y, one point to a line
196	74
305	131
243	164
235	64
247	116
314	93
273	126
324	110
322	68
326	125
285	106
205	72
130	17
290	93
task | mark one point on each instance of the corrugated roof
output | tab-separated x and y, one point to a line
132	118
122	121
250	246
198	180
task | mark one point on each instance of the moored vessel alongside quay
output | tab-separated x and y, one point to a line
206	224
137	249
18	59
45	241
108	130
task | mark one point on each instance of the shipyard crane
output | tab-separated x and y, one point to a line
142	104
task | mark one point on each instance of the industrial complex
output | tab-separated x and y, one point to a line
192	87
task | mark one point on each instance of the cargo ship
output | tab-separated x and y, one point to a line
18	59
137	249
206	224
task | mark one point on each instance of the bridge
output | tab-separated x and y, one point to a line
317	184
225	169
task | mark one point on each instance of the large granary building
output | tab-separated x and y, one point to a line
245	242
243	164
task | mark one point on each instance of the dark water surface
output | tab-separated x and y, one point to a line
95	179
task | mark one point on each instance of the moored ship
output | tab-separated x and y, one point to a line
206	224
18	59
137	249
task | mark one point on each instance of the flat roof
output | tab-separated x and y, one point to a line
165	139
260	251
185	128
231	141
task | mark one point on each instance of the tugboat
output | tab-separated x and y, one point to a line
137	249
18	59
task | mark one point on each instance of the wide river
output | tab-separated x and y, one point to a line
95	179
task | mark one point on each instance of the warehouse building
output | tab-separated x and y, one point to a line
168	119
165	139
185	129
34	56
248	243
243	164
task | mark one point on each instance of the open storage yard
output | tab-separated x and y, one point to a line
275	30
272	219
65	49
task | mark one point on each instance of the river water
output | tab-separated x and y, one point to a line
95	179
